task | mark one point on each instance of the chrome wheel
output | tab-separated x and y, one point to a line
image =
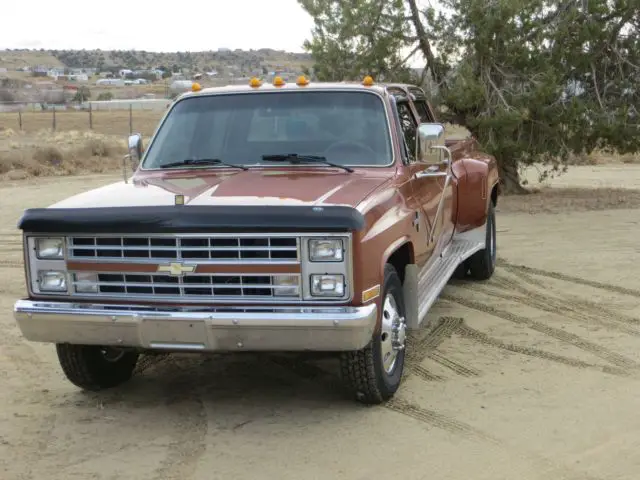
393	334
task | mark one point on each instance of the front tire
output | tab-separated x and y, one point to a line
95	368
373	374
482	264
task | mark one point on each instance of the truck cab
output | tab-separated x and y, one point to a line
293	217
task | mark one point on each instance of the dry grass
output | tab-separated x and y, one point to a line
44	153
113	122
557	200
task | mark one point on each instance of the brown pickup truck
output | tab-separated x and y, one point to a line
282	217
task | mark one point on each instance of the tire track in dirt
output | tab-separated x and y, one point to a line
569	278
423	373
561	335
191	428
504	289
588	305
466	331
425	348
435	419
11	263
147	362
309	371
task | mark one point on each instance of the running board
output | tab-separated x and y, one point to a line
421	289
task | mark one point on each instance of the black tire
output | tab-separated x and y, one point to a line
460	273
90	367
482	264
363	371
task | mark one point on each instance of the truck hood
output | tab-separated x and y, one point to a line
248	188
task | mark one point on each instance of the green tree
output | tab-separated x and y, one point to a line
533	80
82	95
357	38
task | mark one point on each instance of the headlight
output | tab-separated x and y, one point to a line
286	285
326	250
86	282
50	248
327	285
52	281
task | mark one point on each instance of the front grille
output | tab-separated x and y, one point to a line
215	287
218	248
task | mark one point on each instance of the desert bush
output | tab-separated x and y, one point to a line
63	153
6	96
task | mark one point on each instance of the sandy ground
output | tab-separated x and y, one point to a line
533	375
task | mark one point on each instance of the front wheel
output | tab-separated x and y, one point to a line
482	264
374	373
94	368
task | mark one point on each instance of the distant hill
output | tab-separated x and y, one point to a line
227	61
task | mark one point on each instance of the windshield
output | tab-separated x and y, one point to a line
346	128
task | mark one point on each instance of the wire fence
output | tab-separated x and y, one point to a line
124	120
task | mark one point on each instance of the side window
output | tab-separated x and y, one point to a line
423	111
409	129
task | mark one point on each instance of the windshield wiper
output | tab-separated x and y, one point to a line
202	161
295	158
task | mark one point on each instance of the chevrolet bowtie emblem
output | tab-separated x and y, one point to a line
176	269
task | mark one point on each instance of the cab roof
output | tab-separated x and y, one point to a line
315	86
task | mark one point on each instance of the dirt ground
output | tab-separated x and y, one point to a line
532	375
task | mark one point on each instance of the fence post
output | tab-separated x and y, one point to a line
20	119
130	120
90	118
54	118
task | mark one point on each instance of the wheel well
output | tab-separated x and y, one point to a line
494	195
400	258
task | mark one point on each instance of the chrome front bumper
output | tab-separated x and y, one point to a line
198	328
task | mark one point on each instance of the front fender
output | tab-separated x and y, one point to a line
476	184
389	226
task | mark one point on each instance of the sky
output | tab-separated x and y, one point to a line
161	26
164	25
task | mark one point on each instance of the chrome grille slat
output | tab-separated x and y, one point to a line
189	286
215	248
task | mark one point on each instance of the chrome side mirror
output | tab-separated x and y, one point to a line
135	154
430	144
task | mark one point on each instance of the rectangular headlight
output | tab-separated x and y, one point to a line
286	285
326	250
52	281
327	285
49	248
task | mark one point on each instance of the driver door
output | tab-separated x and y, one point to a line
431	187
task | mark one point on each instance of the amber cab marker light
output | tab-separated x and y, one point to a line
255	82
302	81
196	87
278	82
368	81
